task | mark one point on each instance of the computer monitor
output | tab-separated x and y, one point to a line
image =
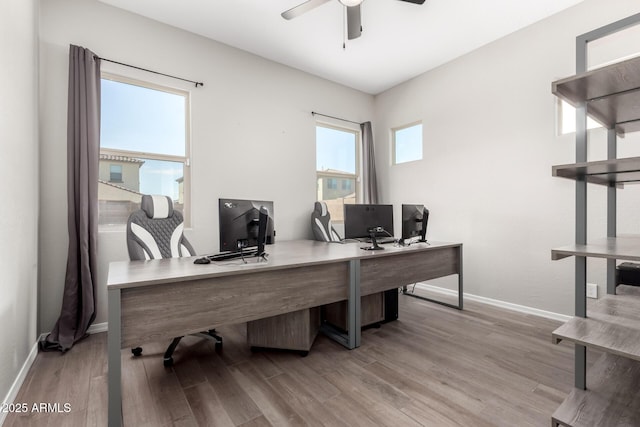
239	223
414	222
359	219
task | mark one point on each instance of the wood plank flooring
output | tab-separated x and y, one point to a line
435	366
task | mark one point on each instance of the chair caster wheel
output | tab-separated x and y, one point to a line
168	361
136	351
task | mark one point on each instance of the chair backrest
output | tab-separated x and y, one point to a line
321	224
156	231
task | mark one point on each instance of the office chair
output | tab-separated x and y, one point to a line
153	232
321	224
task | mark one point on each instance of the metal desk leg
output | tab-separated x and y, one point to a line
354	304
460	284
114	359
460	304
351	339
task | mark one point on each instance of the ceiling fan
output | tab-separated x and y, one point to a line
354	24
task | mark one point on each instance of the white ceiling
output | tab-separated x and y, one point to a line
399	40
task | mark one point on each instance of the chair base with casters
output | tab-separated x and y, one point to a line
168	355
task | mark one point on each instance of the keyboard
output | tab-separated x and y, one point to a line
223	256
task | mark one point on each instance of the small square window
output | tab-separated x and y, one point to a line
407	143
115	173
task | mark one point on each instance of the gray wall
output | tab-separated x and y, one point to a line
253	135
19	177
489	143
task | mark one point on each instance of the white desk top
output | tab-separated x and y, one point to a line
285	254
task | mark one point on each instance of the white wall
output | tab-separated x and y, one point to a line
253	135
489	144
19	175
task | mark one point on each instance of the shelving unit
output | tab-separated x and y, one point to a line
608	393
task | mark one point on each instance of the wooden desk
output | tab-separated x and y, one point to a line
161	299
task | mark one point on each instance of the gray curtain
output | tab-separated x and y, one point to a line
83	147
369	180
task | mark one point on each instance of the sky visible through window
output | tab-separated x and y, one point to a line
335	149
408	144
135	118
569	119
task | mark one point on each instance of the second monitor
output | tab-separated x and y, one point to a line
414	223
239	223
368	221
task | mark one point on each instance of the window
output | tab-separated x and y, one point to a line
115	173
337	161
407	143
144	141
567	119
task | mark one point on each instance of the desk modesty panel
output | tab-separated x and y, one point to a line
161	299
174	309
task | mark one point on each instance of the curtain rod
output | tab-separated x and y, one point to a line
333	117
149	71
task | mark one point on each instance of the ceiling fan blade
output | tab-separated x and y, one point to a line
414	1
354	22
302	8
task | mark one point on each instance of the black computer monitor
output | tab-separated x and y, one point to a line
239	223
414	222
359	219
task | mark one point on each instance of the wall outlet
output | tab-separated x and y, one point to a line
592	290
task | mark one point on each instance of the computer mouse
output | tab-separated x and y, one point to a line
202	260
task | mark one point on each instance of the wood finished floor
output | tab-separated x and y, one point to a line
435	366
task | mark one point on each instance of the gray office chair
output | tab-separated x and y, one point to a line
321	224
156	231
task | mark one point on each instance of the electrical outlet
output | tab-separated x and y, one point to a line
592	290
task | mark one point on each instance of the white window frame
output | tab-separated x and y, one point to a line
343	127
561	107
185	160
394	131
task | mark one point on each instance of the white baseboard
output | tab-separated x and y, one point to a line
17	383
497	303
98	327
22	375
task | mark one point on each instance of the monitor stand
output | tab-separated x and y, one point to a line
374	244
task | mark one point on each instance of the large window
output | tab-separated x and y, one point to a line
407	143
144	145
337	168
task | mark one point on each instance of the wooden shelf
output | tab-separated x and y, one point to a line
604	172
612	325
612	94
626	247
611	398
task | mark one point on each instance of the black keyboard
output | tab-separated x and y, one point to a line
222	256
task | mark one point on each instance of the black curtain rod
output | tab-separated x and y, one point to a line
333	117
149	71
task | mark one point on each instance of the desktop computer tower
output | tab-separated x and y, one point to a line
390	305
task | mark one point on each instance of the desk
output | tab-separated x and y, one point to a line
161	299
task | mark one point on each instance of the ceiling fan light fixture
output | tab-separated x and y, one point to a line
350	3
